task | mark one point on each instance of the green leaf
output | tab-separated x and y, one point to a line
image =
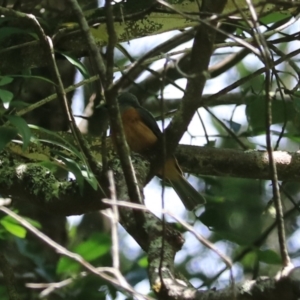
8	31
256	112
91	179
79	172
77	64
255	84
5	80
274	17
74	168
143	262
57	140
6	97
33	222
18	104
22	128
67	265
52	166
269	257
249	259
13	228
96	246
296	100
235	127
33	77
6	135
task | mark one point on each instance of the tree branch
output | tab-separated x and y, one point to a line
237	163
200	57
25	180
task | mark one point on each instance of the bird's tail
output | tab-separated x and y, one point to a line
186	192
188	195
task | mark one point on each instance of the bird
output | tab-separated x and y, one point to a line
142	134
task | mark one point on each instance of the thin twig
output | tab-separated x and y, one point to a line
116	121
245	79
163	242
203	240
228	130
114	219
112	40
200	56
227	261
203	127
266	58
94	51
239	41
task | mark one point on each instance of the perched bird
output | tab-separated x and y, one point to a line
142	133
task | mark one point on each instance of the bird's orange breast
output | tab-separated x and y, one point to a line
139	137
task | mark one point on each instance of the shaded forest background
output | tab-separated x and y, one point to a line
246	116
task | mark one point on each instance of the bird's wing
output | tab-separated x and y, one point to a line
149	121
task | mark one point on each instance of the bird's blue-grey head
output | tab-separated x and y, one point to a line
127	100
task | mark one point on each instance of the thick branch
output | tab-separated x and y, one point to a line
35	184
237	163
200	56
286	288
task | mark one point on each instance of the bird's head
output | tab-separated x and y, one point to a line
127	100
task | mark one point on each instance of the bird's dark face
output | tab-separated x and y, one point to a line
127	100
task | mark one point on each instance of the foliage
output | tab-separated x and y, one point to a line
239	216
